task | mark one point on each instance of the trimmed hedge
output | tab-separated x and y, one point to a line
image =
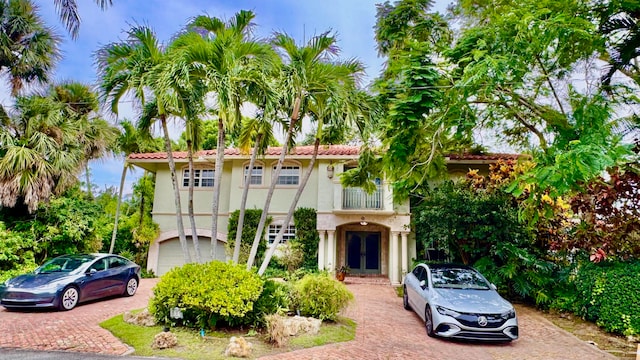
207	294
609	294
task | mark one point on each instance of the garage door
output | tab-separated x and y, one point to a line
170	253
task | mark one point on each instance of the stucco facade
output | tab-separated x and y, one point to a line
367	232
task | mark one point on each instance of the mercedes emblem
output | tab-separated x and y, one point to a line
482	321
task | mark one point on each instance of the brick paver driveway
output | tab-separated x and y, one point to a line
75	330
385	331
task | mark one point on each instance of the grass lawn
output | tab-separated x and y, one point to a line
192	346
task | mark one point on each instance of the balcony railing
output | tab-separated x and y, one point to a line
356	198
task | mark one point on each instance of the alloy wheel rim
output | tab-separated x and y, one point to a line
70	298
132	286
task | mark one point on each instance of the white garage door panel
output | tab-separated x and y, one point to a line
170	253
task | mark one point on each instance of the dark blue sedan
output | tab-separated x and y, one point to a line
67	280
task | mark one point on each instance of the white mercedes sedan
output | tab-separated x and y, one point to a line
456	301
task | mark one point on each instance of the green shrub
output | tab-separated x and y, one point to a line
206	293
249	227
305	221
320	296
274	299
609	294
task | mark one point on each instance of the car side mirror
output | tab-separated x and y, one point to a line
423	284
494	287
91	272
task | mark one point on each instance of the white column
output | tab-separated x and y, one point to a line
331	251
404	260
321	262
393	258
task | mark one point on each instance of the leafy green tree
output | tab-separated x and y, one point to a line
28	48
514	66
414	132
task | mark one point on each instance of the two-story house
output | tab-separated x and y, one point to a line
367	232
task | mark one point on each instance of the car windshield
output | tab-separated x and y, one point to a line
458	278
63	264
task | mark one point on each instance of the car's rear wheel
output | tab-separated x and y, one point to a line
428	322
132	287
69	298
405	298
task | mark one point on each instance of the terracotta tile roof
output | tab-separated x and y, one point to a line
323	150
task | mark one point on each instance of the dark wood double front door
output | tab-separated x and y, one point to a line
363	252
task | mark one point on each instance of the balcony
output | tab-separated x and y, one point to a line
356	198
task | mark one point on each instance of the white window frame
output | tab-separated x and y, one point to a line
198	177
254	176
273	230
291	167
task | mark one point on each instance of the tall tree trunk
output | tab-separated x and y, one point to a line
142	201
176	191
263	217
243	201
88	179
194	229
292	208
215	204
115	223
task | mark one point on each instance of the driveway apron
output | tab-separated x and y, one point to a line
75	330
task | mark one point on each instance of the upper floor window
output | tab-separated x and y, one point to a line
201	177
289	175
274	229
256	174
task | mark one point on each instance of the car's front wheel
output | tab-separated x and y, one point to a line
405	298
428	322
132	287
69	298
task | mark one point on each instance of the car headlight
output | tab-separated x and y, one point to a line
508	315
447	312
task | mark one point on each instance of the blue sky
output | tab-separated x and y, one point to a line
351	20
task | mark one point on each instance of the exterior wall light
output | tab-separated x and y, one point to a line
330	171
363	222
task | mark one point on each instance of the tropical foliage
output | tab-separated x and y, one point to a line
28	48
209	295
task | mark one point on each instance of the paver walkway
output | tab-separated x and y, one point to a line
385	331
75	330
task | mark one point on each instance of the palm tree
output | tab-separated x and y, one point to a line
307	75
96	136
620	23
258	130
28	48
226	60
337	102
136	65
69	15
40	155
128	142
